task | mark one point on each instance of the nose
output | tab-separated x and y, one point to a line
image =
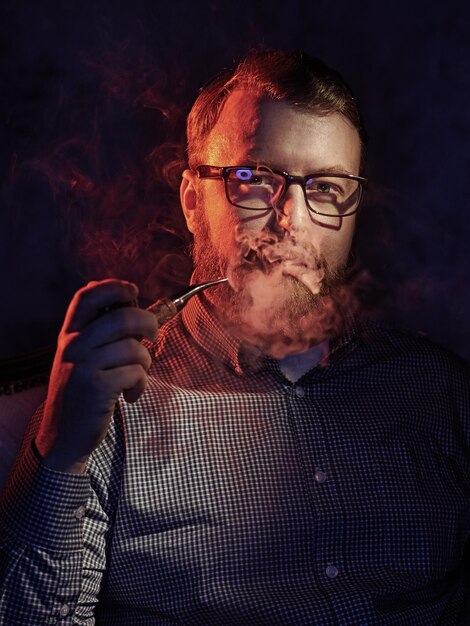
291	210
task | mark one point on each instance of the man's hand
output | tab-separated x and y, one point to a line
98	358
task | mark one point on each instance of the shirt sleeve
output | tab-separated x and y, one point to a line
53	533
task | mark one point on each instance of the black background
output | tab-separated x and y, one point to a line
93	101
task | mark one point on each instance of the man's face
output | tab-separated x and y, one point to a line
253	131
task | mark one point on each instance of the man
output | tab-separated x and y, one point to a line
271	460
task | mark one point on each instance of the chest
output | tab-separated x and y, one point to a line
297	472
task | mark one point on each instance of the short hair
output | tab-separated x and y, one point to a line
293	77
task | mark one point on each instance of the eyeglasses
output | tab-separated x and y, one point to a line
261	188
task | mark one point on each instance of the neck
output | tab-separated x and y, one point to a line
294	366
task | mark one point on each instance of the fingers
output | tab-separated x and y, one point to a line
106	343
118	324
131	379
96	296
120	353
98	358
86	327
134	393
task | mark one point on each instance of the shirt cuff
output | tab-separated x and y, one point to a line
42	507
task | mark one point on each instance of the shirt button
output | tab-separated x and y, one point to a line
64	610
299	392
320	476
331	571
80	512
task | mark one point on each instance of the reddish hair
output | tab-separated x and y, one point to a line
293	77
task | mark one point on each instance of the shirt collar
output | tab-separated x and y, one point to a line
210	334
201	322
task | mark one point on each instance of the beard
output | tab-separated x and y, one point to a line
281	298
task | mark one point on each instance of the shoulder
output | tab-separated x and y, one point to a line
385	342
392	339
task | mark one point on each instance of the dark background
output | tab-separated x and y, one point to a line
92	106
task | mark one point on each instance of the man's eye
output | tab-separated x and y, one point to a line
322	186
244	175
251	177
318	185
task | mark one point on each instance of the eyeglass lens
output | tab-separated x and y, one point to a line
261	189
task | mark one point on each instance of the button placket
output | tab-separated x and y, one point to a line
299	392
331	571
79	513
320	476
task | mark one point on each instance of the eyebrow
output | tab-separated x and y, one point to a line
335	169
332	169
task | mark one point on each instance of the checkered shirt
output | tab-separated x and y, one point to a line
229	496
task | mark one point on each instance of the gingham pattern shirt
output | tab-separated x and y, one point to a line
229	496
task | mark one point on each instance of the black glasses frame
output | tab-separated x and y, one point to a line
213	171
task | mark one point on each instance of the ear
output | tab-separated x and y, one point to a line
188	198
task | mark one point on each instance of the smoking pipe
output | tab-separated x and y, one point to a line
166	308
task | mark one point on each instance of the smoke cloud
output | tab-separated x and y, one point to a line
285	297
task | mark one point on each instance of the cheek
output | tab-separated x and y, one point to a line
335	247
255	220
222	219
225	220
332	239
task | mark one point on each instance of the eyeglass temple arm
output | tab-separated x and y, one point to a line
209	171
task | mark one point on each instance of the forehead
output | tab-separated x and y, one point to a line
236	125
252	128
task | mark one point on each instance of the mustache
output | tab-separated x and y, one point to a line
284	257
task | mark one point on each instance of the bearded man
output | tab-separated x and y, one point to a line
268	459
